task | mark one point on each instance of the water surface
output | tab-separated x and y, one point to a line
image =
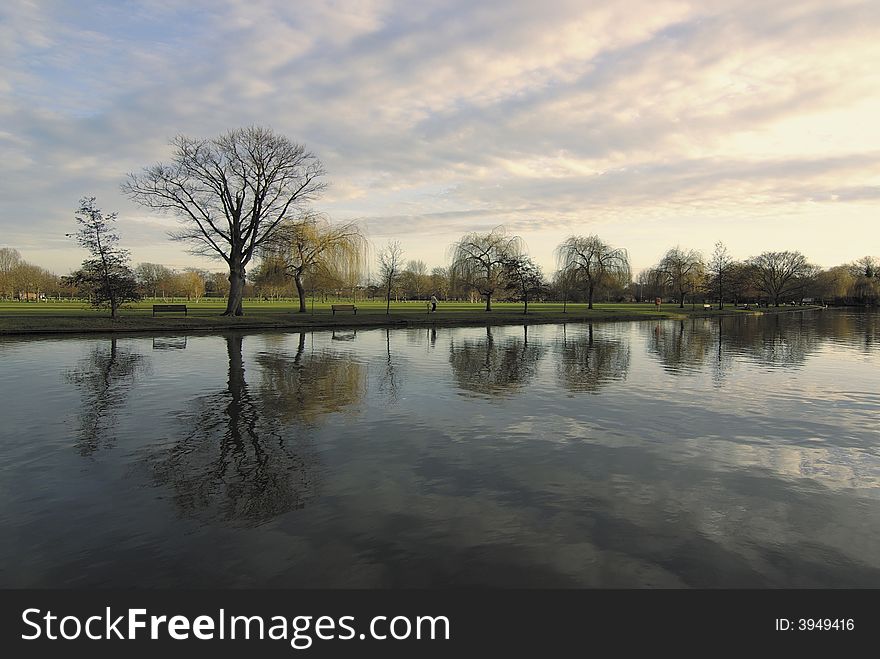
713	453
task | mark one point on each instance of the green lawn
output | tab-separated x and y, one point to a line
33	317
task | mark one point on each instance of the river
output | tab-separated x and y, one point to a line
731	452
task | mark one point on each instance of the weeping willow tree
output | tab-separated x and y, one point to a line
478	260
314	245
593	263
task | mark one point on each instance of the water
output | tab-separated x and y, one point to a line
740	452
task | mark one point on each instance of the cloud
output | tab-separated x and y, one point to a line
439	117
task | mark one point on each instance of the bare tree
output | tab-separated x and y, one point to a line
650	284
478	258
779	274
231	194
193	281
439	280
564	282
9	260
313	244
416	278
867	266
106	276
866	280
390	263
719	266
592	262
683	269
524	278
153	278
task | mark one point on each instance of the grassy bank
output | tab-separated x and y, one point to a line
72	317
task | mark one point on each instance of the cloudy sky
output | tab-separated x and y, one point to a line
652	123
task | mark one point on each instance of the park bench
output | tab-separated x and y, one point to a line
169	308
343	307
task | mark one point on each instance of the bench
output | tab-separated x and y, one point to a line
343	307
169	308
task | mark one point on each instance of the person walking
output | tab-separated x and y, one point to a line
433	303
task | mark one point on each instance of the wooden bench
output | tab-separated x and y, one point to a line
169	308
343	307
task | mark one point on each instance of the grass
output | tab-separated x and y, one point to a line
74	317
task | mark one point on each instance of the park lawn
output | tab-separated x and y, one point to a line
64	316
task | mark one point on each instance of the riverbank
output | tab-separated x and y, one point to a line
80	321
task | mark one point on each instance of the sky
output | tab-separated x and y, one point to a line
651	123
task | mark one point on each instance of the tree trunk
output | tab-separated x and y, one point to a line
236	292
300	348
681	299
237	388
301	292
488	302
590	296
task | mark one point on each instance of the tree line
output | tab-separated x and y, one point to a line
20	280
245	198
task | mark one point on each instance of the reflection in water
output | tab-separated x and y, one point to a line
309	385
169	343
681	346
236	460
723	362
390	377
276	460
777	341
495	367
586	362
104	379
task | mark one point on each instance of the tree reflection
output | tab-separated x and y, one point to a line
308	385
723	361
104	379
870	326
681	346
390	377
587	363
239	460
778	340
495	367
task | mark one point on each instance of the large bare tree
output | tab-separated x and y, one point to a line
390	265
719	266
591	262
478	260
779	274
230	194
